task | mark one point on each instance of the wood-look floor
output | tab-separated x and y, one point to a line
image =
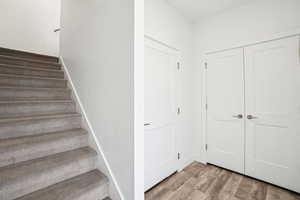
207	182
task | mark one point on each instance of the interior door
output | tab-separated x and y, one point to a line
225	98
273	112
160	112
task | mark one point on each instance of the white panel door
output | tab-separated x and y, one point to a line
160	112
273	112
225	98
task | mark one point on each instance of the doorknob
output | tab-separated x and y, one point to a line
147	124
251	117
240	116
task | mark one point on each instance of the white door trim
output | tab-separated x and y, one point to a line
147	37
204	84
263	39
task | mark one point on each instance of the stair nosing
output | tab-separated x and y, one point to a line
33	88
31	77
39	117
49	156
30	68
80	131
29	60
36	101
19	52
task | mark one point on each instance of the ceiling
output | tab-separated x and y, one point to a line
196	9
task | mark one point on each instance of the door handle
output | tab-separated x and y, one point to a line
147	124
251	117
56	30
240	116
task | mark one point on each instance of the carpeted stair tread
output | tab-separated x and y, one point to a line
11	80
38	117
29	176
18	93
28	55
21	149
25	109
36	101
92	185
36	125
27	60
20	70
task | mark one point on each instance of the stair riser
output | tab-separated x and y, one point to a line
20	54
52	177
24	82
46	148
88	186
99	192
30	109
30	72
28	64
13	93
35	127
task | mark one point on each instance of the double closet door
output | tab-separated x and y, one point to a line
253	115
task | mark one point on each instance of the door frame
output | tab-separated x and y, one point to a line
203	71
157	44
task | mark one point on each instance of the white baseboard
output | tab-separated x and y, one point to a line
185	163
115	191
200	159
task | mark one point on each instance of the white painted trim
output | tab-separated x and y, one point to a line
267	38
90	128
204	111
139	100
160	42
186	163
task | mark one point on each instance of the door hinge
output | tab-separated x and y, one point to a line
178	111
178	65
178	156
206	147
205	64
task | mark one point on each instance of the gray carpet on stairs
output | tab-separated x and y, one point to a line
44	151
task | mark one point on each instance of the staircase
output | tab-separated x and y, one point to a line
44	152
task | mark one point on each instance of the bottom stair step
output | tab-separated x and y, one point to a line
89	186
29	176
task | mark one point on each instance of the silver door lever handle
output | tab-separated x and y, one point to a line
147	124
240	116
251	117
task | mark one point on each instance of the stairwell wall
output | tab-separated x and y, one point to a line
29	25
97	46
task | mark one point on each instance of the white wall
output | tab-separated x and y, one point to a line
163	23
139	100
97	46
249	23
29	25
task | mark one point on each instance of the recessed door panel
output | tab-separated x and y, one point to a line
273	109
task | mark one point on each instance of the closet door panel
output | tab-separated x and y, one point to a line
273	112
225	98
